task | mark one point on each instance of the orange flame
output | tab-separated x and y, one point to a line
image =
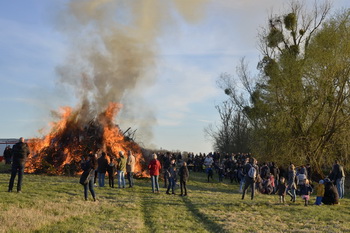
61	150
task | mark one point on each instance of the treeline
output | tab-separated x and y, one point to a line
297	108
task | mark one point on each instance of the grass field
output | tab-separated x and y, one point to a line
56	204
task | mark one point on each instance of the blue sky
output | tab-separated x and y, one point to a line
181	99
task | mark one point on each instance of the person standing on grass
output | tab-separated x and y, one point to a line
184	175
305	191
210	172
20	152
166	165
111	168
130	166
291	182
89	166
102	168
281	189
171	175
121	170
338	177
154	167
250	171
7	155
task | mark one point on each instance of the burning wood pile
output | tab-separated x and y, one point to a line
72	136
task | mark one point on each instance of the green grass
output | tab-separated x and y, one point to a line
56	204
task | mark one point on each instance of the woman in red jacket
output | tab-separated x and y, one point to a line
154	168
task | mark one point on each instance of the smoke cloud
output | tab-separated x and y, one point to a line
113	50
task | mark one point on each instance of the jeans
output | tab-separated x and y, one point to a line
291	193
318	201
171	185
89	186
340	186
20	169
101	179
155	184
121	179
249	182
241	184
130	179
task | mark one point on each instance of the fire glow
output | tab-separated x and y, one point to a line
71	137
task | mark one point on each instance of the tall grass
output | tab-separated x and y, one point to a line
56	204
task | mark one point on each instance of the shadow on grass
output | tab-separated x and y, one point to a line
146	204
216	188
208	224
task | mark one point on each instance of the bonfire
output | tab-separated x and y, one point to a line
72	136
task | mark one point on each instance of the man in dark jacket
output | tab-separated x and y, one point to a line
166	165
250	171
338	177
20	151
102	168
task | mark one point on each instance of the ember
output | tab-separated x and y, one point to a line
60	151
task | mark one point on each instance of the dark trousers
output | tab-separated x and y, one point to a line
165	178
130	177
183	187
111	179
95	177
89	186
20	169
249	182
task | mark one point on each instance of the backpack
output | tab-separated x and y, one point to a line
252	172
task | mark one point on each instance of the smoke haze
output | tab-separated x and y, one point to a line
113	52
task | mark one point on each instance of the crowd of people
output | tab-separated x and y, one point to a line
244	169
95	169
266	177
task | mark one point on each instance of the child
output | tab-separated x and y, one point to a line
319	192
281	189
171	175
305	191
184	174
